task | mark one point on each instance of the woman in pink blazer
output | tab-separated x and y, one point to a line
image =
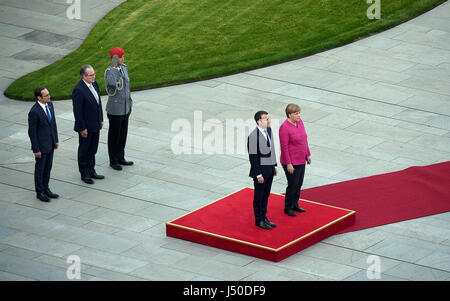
294	155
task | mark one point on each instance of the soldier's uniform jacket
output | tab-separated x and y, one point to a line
119	103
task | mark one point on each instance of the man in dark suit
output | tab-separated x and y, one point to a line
43	135
263	168
87	109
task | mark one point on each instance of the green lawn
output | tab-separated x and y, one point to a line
177	41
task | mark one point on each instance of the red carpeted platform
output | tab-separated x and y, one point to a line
228	223
382	199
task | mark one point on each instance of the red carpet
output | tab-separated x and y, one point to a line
387	198
382	199
229	224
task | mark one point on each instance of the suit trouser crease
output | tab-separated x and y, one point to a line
117	137
294	185
42	169
261	197
86	153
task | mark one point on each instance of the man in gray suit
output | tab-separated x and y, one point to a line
118	108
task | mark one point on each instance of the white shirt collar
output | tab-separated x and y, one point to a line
263	131
42	105
88	84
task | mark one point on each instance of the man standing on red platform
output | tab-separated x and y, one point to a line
263	168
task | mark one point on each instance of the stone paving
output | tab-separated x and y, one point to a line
378	105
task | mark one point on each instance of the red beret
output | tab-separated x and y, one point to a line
116	50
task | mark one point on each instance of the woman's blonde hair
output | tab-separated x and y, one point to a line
292	108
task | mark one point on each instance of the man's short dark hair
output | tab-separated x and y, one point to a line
259	114
84	68
38	91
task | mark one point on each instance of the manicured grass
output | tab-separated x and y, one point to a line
177	41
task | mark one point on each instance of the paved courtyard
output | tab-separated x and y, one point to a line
378	105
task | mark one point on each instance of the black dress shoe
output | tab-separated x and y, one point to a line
94	175
270	223
87	180
116	166
51	194
263	225
290	212
299	209
43	197
124	162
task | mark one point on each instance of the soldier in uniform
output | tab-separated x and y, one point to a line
118	108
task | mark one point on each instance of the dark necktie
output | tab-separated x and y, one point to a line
267	138
49	117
